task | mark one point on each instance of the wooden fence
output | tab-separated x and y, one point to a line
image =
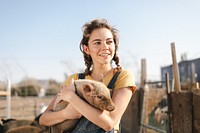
184	112
130	119
24	107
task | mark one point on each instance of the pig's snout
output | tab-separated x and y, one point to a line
110	107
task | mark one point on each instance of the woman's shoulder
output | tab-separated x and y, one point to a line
69	78
125	79
126	72
74	76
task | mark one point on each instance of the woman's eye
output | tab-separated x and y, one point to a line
97	43
109	42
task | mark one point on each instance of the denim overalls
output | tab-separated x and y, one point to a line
84	125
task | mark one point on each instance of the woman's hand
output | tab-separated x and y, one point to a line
66	93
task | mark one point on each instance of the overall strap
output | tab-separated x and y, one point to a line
111	83
81	76
111	86
113	80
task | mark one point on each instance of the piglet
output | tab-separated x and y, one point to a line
93	92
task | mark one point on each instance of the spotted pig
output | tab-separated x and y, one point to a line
93	92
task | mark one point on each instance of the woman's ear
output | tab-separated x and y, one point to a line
86	49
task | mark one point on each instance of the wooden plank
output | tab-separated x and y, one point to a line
177	85
168	91
143	73
196	113
181	112
4	93
142	84
130	119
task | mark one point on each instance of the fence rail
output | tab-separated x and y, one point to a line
153	128
24	107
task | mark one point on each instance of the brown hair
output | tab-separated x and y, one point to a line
87	30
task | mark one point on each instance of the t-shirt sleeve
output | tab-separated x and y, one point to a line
69	79
125	79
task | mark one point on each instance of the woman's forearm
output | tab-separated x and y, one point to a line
49	118
104	119
98	117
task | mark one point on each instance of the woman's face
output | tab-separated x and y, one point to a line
101	46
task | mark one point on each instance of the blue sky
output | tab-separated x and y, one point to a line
40	38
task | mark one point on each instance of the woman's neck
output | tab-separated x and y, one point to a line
98	73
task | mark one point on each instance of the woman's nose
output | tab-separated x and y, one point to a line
104	45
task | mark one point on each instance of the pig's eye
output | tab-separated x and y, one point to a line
100	97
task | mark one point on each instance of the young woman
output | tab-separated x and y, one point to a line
99	46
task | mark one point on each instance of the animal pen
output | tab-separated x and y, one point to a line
163	106
155	107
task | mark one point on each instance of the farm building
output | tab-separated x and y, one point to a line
189	72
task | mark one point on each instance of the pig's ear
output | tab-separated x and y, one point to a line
87	88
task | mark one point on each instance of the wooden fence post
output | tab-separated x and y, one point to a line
168	90
180	102
177	85
143	73
142	95
7	93
181	110
8	98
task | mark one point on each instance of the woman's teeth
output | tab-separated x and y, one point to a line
104	54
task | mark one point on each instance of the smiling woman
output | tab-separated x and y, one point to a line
99	35
99	46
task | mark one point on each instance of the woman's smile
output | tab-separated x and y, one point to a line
105	55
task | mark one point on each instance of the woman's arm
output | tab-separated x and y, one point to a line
49	118
103	119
